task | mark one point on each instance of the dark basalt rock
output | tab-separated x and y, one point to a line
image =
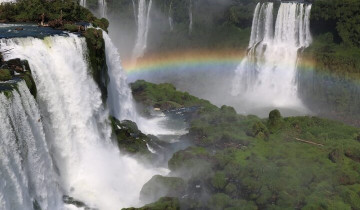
72	201
15	70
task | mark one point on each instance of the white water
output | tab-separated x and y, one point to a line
267	76
26	169
7	1
171	24
102	8
190	17
120	100
143	25
83	3
91	167
134	10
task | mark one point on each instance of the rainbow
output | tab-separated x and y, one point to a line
186	58
191	59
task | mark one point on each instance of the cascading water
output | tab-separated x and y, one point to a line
90	165
170	17
102	7
267	76
190	17
143	24
26	169
134	11
120	100
83	3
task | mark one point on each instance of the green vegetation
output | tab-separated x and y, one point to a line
97	58
165	203
129	137
160	186
332	87
5	75
56	13
165	96
340	17
23	71
276	163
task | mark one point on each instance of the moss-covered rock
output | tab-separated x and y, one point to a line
5	74
16	69
102	23
71	27
97	59
129	137
275	120
259	130
160	186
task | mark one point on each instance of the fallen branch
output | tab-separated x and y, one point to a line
309	142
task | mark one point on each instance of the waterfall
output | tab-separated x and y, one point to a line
170	17
83	3
7	1
267	75
134	11
190	17
143	24
76	124
102	7
120	100
26	169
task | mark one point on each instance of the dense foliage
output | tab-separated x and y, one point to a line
165	96
250	163
32	10
340	17
332	87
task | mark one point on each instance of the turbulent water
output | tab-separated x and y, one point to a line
267	76
90	166
143	24
26	169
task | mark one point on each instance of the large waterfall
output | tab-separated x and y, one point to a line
26	169
76	129
143	24
267	76
120	100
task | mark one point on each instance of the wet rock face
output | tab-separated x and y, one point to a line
15	70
